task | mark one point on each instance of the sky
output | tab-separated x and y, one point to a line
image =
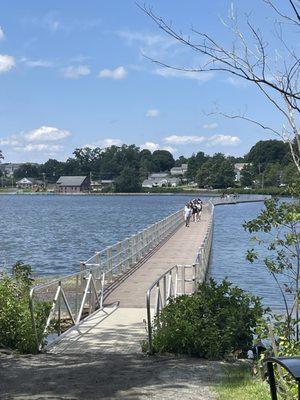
75	74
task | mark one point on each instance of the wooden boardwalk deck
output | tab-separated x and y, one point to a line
123	329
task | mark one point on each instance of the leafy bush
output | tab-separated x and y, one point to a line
16	331
278	333
214	322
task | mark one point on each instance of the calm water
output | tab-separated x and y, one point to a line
55	233
230	244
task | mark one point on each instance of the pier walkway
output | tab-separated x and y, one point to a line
124	328
105	303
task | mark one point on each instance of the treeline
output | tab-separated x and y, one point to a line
268	163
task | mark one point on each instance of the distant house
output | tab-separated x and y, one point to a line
97	186
179	171
24	183
238	167
73	184
160	182
158	175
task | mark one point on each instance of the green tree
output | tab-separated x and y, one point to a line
272	174
194	163
162	160
217	172
289	174
181	160
268	151
128	181
146	165
53	169
247	175
28	170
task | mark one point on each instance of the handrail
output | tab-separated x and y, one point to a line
76	296
175	281
199	268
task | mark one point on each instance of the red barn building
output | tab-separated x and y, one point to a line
73	184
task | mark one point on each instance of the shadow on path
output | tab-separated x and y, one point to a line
106	376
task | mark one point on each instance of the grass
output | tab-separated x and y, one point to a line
239	384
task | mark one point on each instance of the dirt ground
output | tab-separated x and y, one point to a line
107	376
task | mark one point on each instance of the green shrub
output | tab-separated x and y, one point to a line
16	331
213	323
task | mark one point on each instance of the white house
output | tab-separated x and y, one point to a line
179	171
24	183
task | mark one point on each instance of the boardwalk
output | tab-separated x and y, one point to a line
122	329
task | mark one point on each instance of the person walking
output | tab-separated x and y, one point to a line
187	214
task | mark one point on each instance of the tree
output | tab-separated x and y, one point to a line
289	174
268	151
181	160
88	159
194	163
272	174
217	172
247	175
128	181
53	169
272	68
162	160
27	170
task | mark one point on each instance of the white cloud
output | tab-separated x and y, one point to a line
184	139
149	146
224	140
170	149
10	141
152	113
6	63
46	133
73	72
153	45
173	73
2	36
214	125
117	74
38	147
111	142
36	63
155	146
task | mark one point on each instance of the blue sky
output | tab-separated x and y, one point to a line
73	74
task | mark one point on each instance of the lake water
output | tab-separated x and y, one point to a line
54	233
230	244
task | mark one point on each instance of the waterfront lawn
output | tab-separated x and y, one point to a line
239	384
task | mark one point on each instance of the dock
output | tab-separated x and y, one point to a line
106	301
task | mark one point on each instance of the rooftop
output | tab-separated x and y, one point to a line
71	180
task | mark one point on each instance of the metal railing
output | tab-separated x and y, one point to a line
235	198
180	279
76	296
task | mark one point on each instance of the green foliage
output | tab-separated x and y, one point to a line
16	330
212	323
217	172
162	160
128	181
247	175
269	151
194	163
277	227
280	332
